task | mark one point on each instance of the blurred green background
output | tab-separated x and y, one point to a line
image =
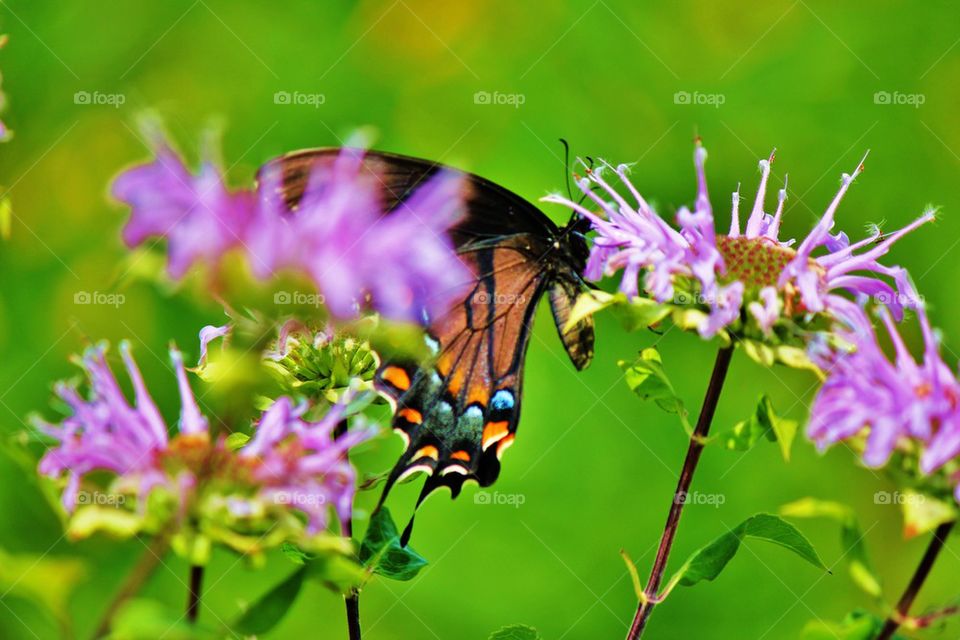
594	465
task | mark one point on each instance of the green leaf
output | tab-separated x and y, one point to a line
764	423
635	314
587	304
266	612
634	577
923	513
237	440
707	562
852	540
382	553
639	313
647	378
516	632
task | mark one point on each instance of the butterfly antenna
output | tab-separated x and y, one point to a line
566	166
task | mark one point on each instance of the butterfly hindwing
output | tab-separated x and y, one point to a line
460	413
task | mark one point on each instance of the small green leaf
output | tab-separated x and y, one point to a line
294	553
639	313
516	632
707	562
382	553
647	378
851	538
634	577
266	612
923	513
764	423
237	440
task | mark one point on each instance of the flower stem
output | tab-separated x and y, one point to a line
644	609
920	575
353	615
193	599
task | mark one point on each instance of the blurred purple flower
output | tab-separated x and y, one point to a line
200	219
745	263
401	263
107	433
289	465
341	238
890	401
302	464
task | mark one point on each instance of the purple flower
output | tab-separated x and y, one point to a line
207	335
341	238
748	263
196	214
890	402
107	433
302	464
290	465
401	263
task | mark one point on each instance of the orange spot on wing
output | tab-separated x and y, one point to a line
444	364
494	431
410	415
428	451
397	377
460	455
455	381
478	393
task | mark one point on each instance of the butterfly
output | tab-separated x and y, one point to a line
460	411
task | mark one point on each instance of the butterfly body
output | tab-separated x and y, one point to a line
459	412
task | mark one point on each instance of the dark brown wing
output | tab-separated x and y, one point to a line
493	211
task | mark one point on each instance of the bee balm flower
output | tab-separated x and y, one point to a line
749	264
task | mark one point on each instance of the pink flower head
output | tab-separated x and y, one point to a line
748	262
196	214
889	400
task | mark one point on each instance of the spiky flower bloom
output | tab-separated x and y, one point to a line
749	266
401	263
887	403
199	218
158	478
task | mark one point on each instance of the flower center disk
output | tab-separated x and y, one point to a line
757	262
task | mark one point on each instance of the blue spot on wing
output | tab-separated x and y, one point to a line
502	401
